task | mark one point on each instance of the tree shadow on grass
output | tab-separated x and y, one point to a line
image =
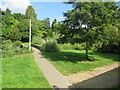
114	57
68	57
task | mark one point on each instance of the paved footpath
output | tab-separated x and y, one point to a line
54	77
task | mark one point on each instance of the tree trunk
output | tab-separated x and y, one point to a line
87	45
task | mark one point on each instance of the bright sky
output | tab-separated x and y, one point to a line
52	9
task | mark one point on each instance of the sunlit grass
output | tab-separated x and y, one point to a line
73	61
22	72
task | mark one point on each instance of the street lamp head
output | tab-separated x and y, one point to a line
31	17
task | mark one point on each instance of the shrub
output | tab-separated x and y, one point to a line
83	45
17	51
15	35
79	46
10	49
76	46
37	40
7	42
7	45
50	46
17	44
67	46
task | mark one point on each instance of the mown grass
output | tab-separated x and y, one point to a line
22	72
25	43
72	61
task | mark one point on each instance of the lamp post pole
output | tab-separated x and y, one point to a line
30	35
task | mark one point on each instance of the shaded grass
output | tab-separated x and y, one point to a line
22	72
72	61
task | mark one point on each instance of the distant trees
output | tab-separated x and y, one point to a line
16	26
95	23
8	24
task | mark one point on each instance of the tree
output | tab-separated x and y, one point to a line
8	12
8	24
41	31
30	12
24	23
87	19
53	24
18	16
15	35
47	27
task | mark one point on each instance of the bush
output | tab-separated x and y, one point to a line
76	46
109	49
17	51
10	49
37	40
49	46
7	42
7	45
17	44
67	46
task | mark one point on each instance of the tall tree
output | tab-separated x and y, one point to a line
53	24
87	19
24	23
8	11
18	16
8	24
30	12
47	26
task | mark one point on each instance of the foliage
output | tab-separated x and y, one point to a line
7	45
88	20
17	43
10	49
81	46
111	41
22	72
75	46
50	46
8	25
18	16
13	52
73	61
15	35
37	40
30	12
67	46
18	24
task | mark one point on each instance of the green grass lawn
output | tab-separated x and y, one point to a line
26	43
72	61
22	72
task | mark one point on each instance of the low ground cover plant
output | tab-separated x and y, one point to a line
10	48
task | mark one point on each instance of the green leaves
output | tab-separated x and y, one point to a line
30	12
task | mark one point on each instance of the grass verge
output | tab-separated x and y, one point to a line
71	61
22	72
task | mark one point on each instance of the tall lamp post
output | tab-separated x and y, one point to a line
30	34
